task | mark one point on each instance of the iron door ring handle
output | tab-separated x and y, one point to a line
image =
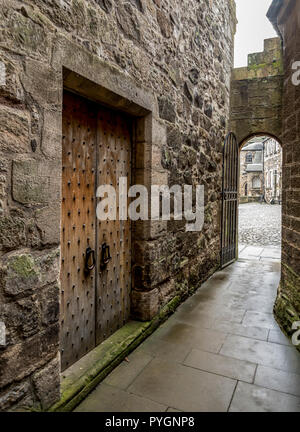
105	255
88	254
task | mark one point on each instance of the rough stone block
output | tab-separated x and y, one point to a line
15	394
46	383
19	361
24	272
51	135
49	304
10	86
43	84
12	232
48	222
35	182
167	291
144	305
21	319
25	34
14	130
167	110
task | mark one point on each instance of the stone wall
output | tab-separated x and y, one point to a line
285	16
166	60
256	94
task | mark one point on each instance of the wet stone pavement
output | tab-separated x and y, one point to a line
221	351
260	224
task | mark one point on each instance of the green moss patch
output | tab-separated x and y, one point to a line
23	266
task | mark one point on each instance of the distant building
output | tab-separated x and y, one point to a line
260	170
251	172
273	170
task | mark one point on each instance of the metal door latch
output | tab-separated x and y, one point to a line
105	256
90	260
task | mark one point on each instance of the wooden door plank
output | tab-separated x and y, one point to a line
78	228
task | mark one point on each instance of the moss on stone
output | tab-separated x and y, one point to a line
23	266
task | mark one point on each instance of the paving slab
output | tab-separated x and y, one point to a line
221	365
242	330
205	339
276	336
252	398
274	253
278	380
184	388
110	399
128	370
260	319
251	252
264	353
167	350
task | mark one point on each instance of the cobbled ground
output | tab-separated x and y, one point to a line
260	224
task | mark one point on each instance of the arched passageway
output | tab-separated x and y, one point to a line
260	197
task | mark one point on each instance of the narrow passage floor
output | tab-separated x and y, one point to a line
221	351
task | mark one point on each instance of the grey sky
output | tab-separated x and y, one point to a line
253	27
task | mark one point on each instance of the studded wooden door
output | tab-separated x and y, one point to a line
96	150
114	281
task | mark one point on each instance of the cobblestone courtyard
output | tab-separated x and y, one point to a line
260	224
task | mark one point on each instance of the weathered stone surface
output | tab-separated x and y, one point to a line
23	34
14	395
164	23
48	222
12	232
22	274
256	94
21	319
166	110
106	5
128	22
35	182
42	83
145	305
14	130
19	361
46	383
49	304
10	86
25	272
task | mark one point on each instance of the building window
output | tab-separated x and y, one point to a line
246	189
248	158
256	183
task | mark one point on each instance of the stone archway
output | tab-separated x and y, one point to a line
256	94
261	95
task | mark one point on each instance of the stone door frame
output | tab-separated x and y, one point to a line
97	80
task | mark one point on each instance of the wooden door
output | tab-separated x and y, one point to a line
114	281
96	150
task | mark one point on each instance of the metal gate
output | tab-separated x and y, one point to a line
96	255
229	200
